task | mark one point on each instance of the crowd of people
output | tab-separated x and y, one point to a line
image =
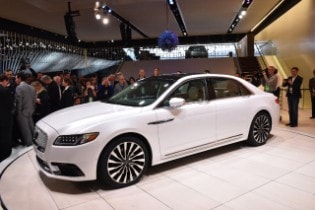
29	96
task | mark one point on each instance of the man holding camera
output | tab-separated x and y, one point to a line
270	81
293	94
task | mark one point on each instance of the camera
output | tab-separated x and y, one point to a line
257	76
260	73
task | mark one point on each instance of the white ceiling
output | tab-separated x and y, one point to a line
202	17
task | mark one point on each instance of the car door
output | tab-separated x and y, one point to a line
232	102
190	126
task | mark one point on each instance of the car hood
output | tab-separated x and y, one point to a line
80	117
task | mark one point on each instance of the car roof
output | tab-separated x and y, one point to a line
176	76
186	76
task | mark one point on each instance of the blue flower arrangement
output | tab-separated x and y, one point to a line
168	40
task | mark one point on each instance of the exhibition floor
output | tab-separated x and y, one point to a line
278	175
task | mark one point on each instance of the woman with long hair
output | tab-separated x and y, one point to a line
42	101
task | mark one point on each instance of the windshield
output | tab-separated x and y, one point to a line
143	92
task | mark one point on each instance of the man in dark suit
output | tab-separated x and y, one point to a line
11	79
67	97
293	94
6	120
54	93
311	86
25	99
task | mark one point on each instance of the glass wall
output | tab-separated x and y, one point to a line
51	55
183	52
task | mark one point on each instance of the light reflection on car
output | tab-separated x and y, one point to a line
153	121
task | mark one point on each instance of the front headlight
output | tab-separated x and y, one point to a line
73	140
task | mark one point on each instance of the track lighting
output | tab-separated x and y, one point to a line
240	15
105	11
177	15
101	14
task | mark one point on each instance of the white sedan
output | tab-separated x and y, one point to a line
153	121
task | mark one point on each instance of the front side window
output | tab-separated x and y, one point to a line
191	91
142	93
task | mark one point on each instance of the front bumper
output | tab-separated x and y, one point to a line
73	163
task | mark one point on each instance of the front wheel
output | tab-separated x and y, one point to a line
260	129
123	162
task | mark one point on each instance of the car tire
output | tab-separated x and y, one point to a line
123	162
260	129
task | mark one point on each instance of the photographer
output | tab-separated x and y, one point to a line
270	81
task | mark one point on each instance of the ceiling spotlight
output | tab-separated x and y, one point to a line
171	2
105	20
243	12
97	6
97	16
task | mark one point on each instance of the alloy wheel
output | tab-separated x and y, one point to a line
261	128
126	162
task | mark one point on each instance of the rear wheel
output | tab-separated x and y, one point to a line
123	162
260	129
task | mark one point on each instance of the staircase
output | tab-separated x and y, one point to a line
248	64
249	67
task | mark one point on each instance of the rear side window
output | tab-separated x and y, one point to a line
227	88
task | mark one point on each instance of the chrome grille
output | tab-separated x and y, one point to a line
40	139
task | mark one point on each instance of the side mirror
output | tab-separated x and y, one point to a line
176	102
